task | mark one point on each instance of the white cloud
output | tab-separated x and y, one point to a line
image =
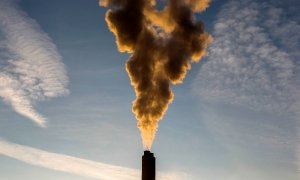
254	58
31	69
254	63
73	165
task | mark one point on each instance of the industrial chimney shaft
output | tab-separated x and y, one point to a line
148	166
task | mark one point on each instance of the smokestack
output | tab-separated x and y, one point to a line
148	166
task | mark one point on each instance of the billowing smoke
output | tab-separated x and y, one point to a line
162	44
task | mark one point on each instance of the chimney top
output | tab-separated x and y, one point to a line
148	153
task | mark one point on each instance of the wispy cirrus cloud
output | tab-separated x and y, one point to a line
73	165
31	68
254	58
253	64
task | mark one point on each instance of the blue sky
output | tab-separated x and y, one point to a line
66	97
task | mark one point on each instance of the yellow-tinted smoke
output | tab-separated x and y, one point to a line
162	43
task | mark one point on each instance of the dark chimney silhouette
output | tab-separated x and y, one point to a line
148	166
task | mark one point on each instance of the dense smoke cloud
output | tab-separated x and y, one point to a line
162	44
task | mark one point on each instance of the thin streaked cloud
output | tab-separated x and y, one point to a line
31	68
250	86
253	59
73	165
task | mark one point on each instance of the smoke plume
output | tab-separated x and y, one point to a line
162	44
